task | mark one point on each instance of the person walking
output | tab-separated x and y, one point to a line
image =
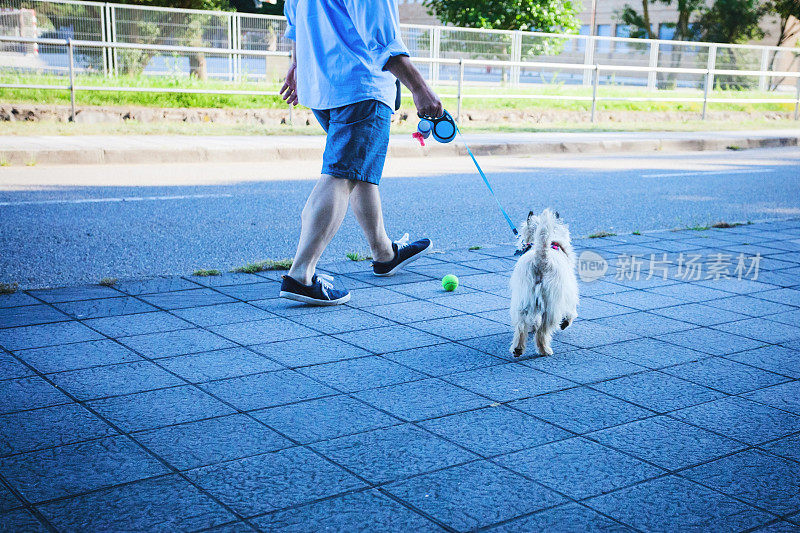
346	59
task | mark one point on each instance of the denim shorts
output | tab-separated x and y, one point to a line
358	137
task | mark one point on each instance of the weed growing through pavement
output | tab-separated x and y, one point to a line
205	273
601	234
475	247
262	266
8	288
637	232
108	282
355	256
31	163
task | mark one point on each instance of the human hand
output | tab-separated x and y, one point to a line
427	103
289	90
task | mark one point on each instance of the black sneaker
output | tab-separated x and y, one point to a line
320	292
403	254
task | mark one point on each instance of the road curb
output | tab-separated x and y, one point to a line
231	154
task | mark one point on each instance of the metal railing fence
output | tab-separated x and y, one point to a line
461	64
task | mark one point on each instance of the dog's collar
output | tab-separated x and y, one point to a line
525	247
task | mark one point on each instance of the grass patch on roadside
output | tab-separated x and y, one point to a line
355	256
601	234
699	227
203	273
637	232
8	288
475	247
107	282
263	266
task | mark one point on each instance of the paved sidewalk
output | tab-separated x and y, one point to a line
115	149
206	403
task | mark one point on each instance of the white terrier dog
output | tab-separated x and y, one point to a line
544	289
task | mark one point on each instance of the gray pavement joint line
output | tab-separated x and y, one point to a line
26	505
708	173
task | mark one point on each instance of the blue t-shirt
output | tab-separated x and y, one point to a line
342	47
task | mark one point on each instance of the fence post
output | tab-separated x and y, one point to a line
762	80
436	40
516	55
103	38
291	115
588	59
595	83
231	45
112	22
797	102
709	83
70	58
460	88
652	76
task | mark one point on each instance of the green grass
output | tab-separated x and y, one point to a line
475	247
601	234
355	256
474	96
699	227
637	232
107	282
8	288
263	266
206	273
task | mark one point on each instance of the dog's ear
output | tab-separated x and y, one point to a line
557	215
530	215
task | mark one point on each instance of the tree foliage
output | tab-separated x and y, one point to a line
731	21
555	16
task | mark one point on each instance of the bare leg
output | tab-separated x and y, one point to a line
366	203
322	215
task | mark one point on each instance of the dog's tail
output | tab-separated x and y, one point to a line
544	233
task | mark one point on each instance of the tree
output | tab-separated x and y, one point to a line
788	12
553	16
731	21
640	22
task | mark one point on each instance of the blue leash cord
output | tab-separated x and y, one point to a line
486	181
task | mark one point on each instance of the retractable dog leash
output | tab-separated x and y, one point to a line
444	130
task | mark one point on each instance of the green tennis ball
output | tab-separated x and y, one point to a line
449	283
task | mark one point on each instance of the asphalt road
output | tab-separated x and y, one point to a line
68	225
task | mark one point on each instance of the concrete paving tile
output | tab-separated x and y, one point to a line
372	296
29	393
225	279
585	334
219	364
71	294
510	381
725	375
180	342
158	408
354	375
600	287
29	315
474	302
164	503
442	269
762	329
123	305
324	418
641	300
261	331
16	299
711	341
413	311
785	396
583	366
651	353
474	495
741	419
418	400
666	442
7	500
779	527
671	503
461	327
211	441
657	391
756	477
495	430
443	359
27	431
138	324
581	409
788	447
342	320
390	339
268	389
76	356
309	351
432	288
789	297
498	346
43	335
749	305
214	315
645	323
187	298
393	453
274	480
21	520
578	467
360	511
689	292
114	380
155	285
76	468
569	517
699	314
12	368
591	308
788	318
251	291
